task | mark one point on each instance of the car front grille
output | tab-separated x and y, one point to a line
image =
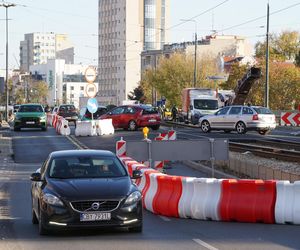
104	205
36	120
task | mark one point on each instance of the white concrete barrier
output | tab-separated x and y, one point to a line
85	128
287	206
105	127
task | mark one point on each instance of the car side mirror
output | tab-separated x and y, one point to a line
36	177
136	174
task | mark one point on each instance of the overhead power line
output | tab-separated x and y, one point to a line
258	18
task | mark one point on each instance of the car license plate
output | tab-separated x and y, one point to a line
152	120
29	122
94	216
68	118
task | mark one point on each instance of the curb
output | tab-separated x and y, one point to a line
207	170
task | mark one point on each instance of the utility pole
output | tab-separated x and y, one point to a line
195	60
6	6
267	61
195	54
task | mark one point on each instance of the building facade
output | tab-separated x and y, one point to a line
37	48
126	28
66	82
215	46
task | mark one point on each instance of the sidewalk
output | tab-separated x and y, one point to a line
6	153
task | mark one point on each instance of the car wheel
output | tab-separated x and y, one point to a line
138	229
42	229
240	128
227	131
155	127
264	132
34	219
132	125
205	126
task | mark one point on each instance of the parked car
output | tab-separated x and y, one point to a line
132	117
85	114
30	116
85	189
69	112
241	119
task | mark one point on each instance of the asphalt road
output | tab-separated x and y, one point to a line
16	231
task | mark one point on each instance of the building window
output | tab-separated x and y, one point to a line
81	88
72	96
72	87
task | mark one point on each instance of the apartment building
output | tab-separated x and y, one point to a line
126	28
38	47
67	83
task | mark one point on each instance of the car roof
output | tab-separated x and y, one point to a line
83	152
29	104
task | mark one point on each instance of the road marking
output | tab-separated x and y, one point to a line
204	244
72	140
164	218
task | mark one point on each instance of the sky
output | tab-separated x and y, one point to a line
79	19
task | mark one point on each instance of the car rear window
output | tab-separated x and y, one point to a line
67	108
30	108
85	167
263	111
149	110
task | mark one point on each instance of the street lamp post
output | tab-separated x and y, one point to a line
6	6
195	55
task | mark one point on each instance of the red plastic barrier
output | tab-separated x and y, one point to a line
248	201
147	184
169	190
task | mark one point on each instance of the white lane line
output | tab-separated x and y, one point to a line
164	218
204	244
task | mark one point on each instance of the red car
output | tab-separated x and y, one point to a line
132	117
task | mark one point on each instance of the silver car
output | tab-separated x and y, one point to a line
239	118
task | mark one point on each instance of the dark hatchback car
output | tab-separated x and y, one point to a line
69	112
85	189
132	117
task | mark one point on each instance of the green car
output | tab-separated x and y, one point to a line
30	116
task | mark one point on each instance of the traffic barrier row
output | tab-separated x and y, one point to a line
94	128
60	124
217	199
290	119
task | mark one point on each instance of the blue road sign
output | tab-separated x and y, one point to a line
92	105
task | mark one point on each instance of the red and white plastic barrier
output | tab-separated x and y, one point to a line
290	119
287	208
216	199
60	124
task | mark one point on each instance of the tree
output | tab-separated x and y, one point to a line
37	92
175	73
282	47
237	71
137	94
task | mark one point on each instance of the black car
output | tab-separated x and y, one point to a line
69	112
85	189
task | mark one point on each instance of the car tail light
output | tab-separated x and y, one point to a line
88	115
255	117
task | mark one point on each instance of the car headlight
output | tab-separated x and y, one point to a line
52	200
43	118
133	198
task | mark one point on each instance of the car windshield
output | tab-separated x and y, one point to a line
85	167
30	108
262	111
206	104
